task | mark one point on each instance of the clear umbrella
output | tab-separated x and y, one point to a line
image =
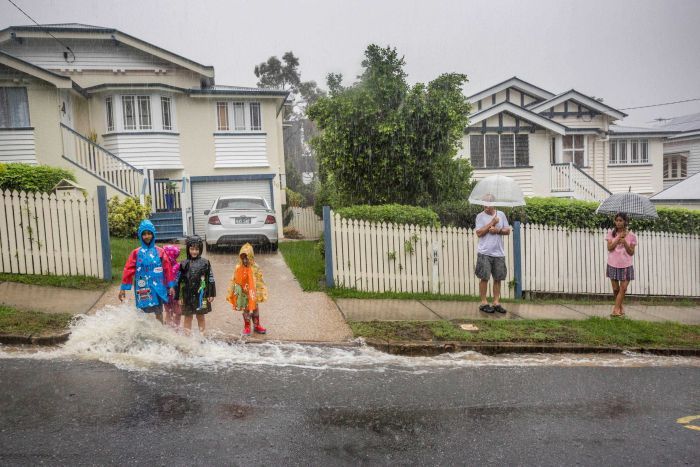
632	204
497	190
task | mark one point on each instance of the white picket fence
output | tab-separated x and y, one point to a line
556	260
406	258
44	234
307	222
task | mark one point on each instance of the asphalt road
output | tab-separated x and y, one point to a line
87	412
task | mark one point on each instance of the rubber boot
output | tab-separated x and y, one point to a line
257	326
246	325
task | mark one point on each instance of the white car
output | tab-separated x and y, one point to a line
235	220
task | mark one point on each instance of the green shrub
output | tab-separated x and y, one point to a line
294	199
25	177
291	232
124	216
321	247
392	213
572	214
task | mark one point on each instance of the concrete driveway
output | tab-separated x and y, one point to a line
290	314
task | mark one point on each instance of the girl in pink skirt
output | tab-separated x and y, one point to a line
621	245
172	309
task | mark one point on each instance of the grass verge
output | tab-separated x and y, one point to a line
70	282
592	331
305	262
121	248
32	323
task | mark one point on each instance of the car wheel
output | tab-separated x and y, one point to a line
273	247
211	247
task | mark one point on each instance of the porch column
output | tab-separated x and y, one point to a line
558	148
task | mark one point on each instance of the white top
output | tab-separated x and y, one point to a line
491	244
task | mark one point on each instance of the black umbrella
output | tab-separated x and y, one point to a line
632	204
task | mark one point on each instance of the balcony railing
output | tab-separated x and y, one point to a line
567	178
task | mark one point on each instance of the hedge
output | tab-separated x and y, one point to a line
572	214
392	213
124	216
25	177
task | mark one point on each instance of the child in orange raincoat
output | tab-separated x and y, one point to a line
247	289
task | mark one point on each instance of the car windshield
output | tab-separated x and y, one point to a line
241	203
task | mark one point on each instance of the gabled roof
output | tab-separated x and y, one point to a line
518	111
513	82
214	90
683	123
43	74
582	99
84	31
687	190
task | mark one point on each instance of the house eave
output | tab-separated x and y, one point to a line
512	82
582	99
60	81
519	112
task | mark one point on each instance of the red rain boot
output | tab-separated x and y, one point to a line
258	327
246	327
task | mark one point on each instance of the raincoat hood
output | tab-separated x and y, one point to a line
173	251
191	241
147	225
247	250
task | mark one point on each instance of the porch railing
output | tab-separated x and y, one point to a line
567	178
104	165
166	195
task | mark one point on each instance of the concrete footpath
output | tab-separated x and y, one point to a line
431	310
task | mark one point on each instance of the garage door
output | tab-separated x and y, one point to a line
204	194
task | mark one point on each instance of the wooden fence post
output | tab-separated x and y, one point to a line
328	246
104	233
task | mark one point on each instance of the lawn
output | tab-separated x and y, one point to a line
592	331
306	264
32	323
121	248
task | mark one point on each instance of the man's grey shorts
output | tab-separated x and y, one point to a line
487	266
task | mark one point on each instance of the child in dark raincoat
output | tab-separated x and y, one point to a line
196	287
149	270
247	289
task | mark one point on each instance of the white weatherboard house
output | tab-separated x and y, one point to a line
563	144
139	119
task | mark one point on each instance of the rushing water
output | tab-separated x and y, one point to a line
134	341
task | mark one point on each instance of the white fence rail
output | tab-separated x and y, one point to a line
556	260
570	179
307	222
406	258
45	234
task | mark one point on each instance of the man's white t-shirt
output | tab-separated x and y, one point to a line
491	244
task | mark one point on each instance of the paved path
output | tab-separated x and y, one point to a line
47	299
430	310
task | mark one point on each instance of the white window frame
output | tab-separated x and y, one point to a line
500	152
134	111
16	117
239	115
222	126
154	122
169	101
629	148
109	113
573	149
675	167
145	120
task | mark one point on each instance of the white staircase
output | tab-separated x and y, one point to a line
568	180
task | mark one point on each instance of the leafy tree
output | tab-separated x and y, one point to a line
384	141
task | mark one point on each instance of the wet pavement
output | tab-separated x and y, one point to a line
79	412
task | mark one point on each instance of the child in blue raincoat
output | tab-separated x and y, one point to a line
149	271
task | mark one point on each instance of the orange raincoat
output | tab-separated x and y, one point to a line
250	279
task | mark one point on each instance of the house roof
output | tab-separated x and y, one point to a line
687	190
214	90
238	90
619	130
518	112
685	126
514	82
583	99
85	31
16	63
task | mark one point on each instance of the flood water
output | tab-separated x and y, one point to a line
136	342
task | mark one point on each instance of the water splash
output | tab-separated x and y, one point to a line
134	341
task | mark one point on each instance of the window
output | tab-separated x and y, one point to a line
636	149
675	166
504	150
239	116
574	150
144	112
255	120
166	109
14	108
110	114
245	116
129	112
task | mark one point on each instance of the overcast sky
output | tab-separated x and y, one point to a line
631	52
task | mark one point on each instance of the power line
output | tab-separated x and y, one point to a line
658	105
46	31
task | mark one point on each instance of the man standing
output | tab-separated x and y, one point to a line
491	225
